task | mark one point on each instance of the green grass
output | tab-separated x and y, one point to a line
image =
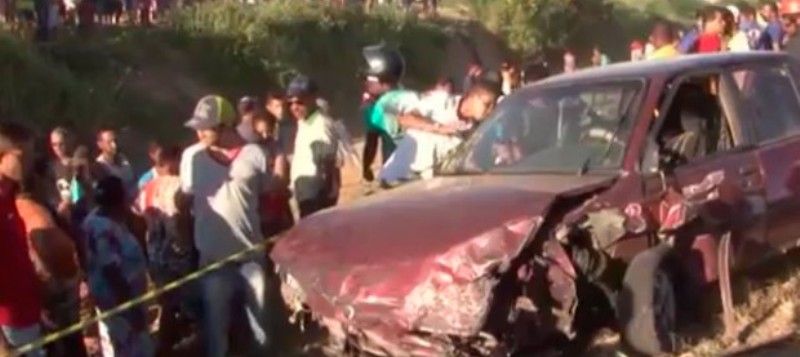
233	43
224	47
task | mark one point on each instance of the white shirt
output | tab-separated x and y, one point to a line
739	42
238	223
316	141
186	166
207	176
419	150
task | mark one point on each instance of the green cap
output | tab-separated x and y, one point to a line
210	112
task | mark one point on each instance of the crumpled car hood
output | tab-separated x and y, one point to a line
419	257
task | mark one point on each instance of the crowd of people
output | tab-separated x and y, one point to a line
84	233
81	229
733	28
45	17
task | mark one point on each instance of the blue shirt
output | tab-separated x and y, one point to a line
772	34
688	41
146	177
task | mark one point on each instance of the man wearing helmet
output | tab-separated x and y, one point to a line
790	9
384	71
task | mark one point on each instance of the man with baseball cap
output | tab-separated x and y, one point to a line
315	175
229	177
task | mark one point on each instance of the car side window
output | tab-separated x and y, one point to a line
771	97
693	125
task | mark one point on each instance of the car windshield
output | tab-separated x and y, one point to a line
570	129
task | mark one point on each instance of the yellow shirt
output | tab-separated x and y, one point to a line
668	51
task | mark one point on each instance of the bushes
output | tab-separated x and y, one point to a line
247	48
130	76
35	89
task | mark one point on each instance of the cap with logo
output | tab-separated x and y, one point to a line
212	111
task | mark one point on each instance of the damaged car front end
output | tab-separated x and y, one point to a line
480	288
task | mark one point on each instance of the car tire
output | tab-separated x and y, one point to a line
646	305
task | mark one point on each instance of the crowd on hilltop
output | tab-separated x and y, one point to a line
46	17
772	26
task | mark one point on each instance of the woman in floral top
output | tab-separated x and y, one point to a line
116	269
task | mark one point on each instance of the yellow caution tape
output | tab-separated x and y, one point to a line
137	301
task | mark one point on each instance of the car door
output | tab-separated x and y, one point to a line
733	168
769	94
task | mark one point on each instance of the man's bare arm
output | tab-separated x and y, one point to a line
416	121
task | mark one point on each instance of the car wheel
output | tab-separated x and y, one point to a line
646	306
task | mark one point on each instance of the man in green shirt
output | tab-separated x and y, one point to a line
384	71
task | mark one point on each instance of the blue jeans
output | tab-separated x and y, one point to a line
231	294
18	337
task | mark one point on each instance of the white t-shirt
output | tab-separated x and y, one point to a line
739	42
237	223
316	141
418	150
187	158
207	176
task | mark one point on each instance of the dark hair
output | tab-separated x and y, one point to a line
247	104
746	9
445	81
711	12
153	147
265	117
483	86
664	30
772	6
168	154
63	131
273	95
102	131
109	191
13	136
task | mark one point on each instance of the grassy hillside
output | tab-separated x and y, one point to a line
148	79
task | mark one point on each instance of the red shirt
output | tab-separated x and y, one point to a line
20	298
709	44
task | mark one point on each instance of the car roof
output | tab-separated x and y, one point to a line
665	67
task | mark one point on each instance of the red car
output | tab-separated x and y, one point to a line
603	198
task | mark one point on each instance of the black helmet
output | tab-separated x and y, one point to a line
384	62
301	85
